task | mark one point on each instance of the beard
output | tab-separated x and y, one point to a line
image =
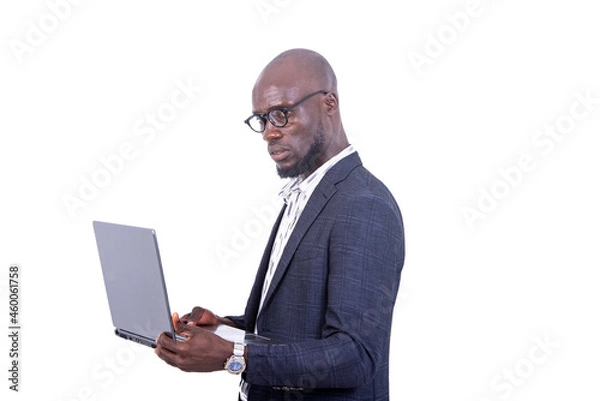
309	160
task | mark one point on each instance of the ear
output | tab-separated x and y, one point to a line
331	103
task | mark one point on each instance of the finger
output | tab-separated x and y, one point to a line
196	315
165	355
185	318
178	325
164	342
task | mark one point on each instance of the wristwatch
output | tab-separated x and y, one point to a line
236	363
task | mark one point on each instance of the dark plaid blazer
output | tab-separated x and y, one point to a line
331	299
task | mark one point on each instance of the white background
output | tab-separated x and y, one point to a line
474	298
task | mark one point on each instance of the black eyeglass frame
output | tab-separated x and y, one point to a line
284	110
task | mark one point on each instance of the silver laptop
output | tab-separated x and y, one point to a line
135	286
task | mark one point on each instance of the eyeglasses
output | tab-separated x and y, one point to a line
278	117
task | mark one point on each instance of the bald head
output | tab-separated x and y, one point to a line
301	68
308	65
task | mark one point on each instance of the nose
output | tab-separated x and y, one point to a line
271	132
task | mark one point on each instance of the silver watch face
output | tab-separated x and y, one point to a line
236	366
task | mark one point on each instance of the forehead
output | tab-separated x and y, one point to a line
272	96
279	85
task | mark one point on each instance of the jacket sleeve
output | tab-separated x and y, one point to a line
238	321
365	258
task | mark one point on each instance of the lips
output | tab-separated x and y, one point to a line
278	153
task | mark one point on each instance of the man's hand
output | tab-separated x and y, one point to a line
202	351
203	317
200	317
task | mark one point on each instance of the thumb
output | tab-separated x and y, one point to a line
178	325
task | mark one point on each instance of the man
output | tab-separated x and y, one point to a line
327	283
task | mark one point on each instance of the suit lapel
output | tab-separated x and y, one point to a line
254	301
319	198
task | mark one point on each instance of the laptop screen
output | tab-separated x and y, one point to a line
134	280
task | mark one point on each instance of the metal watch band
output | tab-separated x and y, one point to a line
238	349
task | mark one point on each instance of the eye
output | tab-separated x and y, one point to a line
278	117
